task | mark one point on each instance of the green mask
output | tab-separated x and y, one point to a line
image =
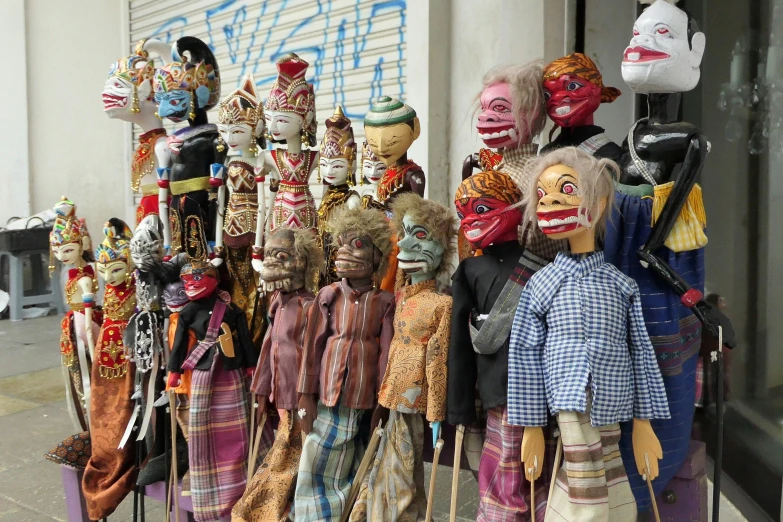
420	254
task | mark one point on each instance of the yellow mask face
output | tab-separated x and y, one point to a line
113	273
390	143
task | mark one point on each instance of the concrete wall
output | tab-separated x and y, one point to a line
74	149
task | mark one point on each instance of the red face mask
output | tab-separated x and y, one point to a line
487	221
199	286
571	101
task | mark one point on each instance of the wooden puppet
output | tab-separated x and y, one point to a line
218	424
239	226
657	234
111	471
574	89
69	243
292	260
579	349
128	96
485	292
185	89
414	383
290	120
346	348
372	171
336	167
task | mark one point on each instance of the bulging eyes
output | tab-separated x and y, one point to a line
481	209
500	108
460	216
540	192
358	243
420	235
196	278
572	86
569	188
282	256
547	95
174	102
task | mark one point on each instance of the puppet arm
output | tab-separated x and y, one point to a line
258	245
462	370
316	335
436	366
216	179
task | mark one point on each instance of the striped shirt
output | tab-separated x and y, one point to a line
346	345
281	352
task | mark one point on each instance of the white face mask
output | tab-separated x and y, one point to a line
334	171
284	125
237	137
659	58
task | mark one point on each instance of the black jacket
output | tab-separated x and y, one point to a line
575	136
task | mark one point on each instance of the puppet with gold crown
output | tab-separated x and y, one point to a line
371	172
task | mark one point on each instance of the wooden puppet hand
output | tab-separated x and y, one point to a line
263	406
174	379
533	451
380	415
307	406
646	443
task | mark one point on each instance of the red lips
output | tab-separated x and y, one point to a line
558	221
112	101
644	55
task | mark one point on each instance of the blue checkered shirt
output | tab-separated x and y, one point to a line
579	323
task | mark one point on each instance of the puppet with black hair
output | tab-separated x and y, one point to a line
656	235
346	349
185	89
292	261
414	383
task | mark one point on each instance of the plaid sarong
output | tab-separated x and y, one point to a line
591	483
218	441
331	454
503	489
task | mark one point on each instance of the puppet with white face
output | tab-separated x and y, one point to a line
372	171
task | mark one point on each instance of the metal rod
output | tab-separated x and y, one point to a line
719	428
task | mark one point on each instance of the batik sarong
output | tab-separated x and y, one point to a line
591	484
674	331
393	491
218	441
503	489
331	455
270	492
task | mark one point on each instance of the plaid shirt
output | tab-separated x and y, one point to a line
346	345
579	324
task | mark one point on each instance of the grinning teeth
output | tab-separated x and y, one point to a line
554	222
562	111
473	233
494	135
634	56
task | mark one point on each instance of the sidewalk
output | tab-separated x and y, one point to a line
33	419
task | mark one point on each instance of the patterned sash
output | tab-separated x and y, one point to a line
210	339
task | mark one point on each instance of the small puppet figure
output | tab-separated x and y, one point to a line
580	348
128	96
218	424
574	89
239	227
290	120
336	167
111	471
414	383
69	243
292	260
185	89
485	292
346	348
372	171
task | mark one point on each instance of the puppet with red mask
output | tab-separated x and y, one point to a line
219	361
574	89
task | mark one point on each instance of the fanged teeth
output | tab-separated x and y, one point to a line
634	56
494	135
562	111
554	222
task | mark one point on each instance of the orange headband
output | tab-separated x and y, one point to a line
581	66
488	184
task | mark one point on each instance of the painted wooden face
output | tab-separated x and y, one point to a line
68	253
283	125
487	221
558	211
420	254
496	124
283	269
334	171
237	137
357	257
113	273
570	100
389	143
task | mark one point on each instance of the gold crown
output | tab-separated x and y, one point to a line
241	106
134	68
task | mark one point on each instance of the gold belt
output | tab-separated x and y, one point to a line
150	189
189	185
295	188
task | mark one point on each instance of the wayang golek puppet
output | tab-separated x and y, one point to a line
336	167
485	292
292	261
239	226
372	171
414	383
185	89
128	96
290	120
110	473
657	232
218	422
579	349
70	244
346	348
574	89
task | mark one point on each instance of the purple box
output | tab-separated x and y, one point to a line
684	499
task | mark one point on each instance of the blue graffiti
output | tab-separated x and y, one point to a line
254	36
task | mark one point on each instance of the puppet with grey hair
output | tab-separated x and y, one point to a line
414	383
293	259
657	235
580	351
345	353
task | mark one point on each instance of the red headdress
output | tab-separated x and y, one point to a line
292	93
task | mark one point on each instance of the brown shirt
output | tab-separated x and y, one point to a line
281	351
346	345
415	378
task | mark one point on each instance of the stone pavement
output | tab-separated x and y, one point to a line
33	419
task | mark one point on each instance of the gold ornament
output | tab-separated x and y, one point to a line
318	174
305	141
192	115
135	100
221	146
253	149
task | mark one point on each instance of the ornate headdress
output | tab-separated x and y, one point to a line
338	140
388	111
199	267
116	245
241	106
581	66
134	68
68	229
199	70
368	154
291	92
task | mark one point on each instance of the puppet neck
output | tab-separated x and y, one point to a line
583	243
663	107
